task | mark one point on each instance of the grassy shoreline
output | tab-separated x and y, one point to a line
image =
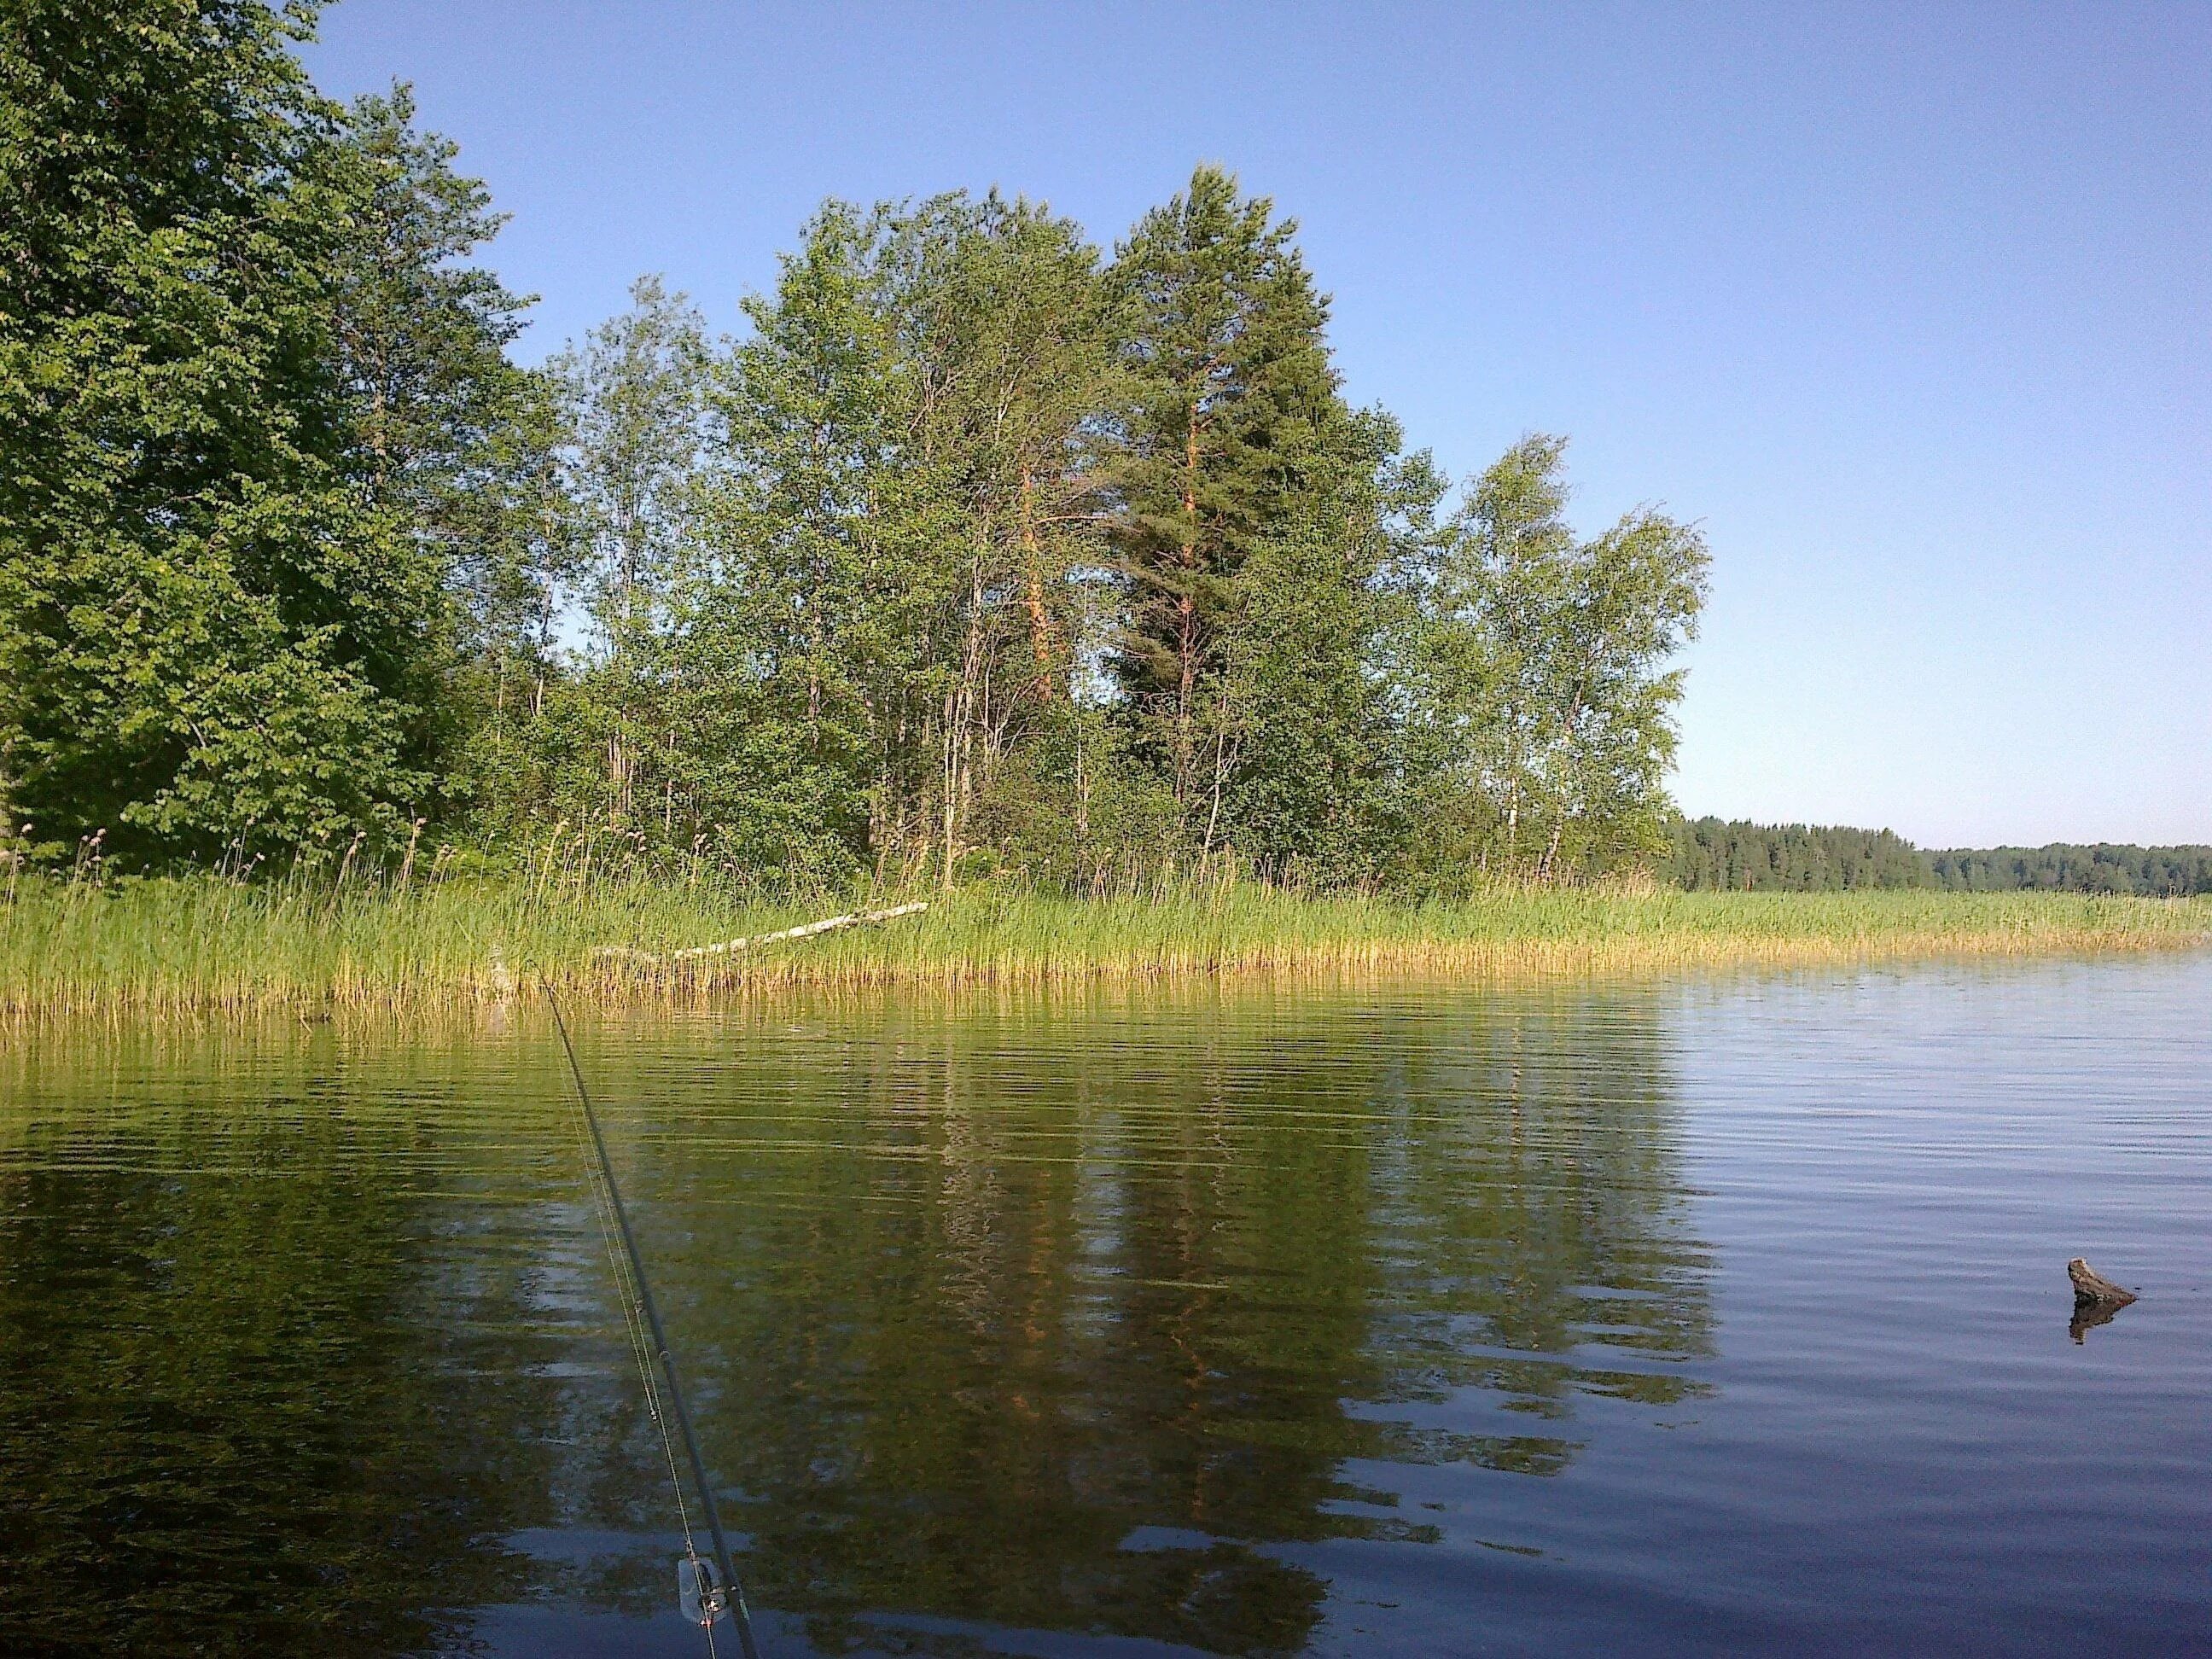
205	945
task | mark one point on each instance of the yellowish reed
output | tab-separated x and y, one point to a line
205	945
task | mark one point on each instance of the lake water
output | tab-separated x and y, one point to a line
1716	1313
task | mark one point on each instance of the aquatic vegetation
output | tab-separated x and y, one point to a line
204	944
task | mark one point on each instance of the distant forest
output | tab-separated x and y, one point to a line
1713	854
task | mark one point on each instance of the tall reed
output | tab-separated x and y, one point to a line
208	944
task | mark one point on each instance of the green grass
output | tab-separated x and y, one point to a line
204	945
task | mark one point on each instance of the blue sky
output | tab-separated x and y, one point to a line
1909	305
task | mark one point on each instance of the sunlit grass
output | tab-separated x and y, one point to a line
189	944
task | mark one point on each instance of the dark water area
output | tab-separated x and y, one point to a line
1711	1315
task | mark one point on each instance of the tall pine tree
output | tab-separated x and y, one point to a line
1233	389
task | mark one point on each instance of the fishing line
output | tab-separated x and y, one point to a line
641	1317
635	1333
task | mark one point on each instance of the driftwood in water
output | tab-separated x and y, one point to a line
805	930
2095	1287
2096	1298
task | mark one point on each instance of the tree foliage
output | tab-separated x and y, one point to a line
1543	688
240	393
1743	857
2152	871
1709	854
1232	388
975	551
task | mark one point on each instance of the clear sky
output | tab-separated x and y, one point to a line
1910	305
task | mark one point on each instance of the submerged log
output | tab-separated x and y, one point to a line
2091	1286
807	930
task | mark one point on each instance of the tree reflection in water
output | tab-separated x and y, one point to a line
1070	1314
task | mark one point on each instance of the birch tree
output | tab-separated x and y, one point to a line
1547	668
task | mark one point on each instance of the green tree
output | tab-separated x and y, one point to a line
638	414
909	497
519	550
463	447
1001	313
636	423
422	337
1708	853
2162	872
804	625
1233	390
1546	690
233	372
1308	761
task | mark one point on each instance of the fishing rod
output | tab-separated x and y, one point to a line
713	1600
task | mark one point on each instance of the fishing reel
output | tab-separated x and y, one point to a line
704	1601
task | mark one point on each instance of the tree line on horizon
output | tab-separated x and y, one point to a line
980	549
1716	854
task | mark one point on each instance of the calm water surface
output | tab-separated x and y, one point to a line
1721	1314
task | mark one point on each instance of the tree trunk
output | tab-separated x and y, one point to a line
1187	622
1081	807
806	930
1040	624
1223	761
1550	850
959	719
